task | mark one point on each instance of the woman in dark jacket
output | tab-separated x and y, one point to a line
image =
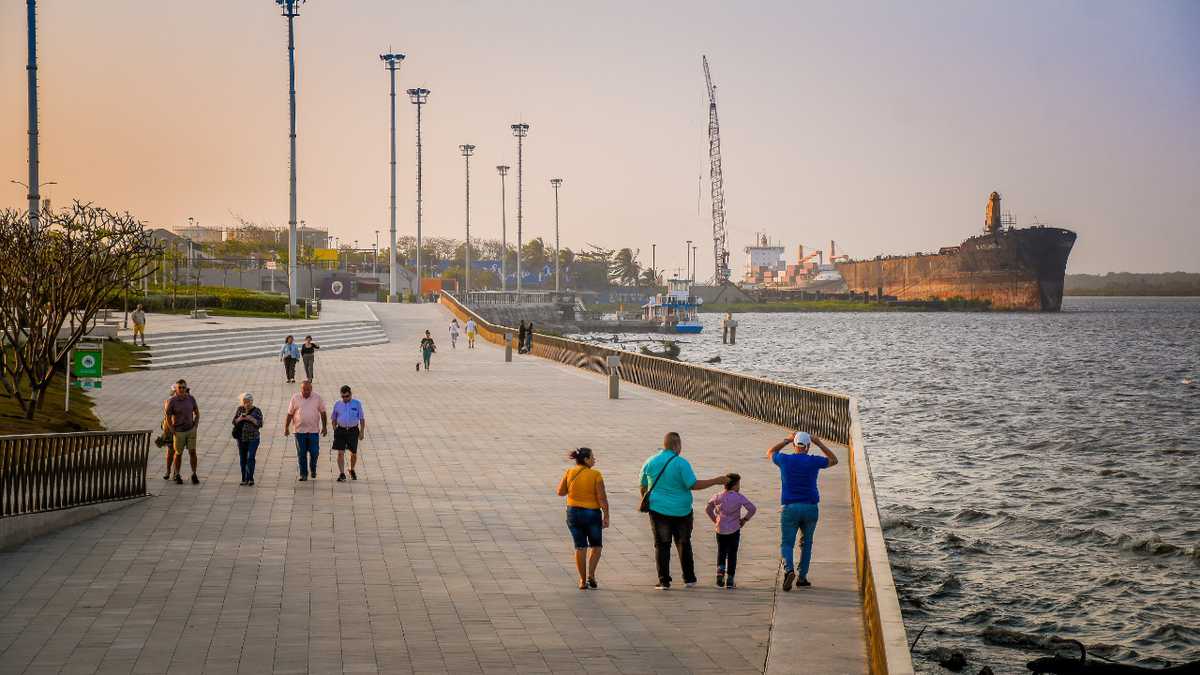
521	338
247	421
308	352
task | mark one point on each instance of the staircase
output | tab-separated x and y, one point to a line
197	348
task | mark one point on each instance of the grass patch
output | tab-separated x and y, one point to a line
121	357
50	418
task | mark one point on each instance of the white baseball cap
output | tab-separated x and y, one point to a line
802	438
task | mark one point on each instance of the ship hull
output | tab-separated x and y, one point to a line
1013	269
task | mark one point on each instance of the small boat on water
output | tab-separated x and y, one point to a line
675	310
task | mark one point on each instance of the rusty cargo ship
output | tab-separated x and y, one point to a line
1012	268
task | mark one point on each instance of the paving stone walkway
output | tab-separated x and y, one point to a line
449	555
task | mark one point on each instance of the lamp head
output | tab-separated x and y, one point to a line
392	59
520	129
556	182
290	7
503	169
467	149
418	95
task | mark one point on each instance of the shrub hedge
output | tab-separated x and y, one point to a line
208	298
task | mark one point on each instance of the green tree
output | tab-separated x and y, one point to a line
625	267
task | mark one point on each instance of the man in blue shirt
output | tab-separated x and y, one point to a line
349	425
670	480
799	496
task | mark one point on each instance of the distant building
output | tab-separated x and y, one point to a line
763	262
201	234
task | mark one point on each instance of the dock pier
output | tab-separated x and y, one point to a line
451	554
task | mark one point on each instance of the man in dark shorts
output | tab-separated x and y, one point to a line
181	419
349	426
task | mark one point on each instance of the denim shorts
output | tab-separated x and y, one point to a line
586	526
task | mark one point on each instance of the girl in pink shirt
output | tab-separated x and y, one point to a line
725	510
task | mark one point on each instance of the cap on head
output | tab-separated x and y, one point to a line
247	396
802	439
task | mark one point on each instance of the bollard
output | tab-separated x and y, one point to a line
733	332
614	376
508	347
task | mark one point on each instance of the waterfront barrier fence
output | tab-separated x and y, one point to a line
826	414
46	472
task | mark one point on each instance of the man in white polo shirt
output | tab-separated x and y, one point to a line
349	426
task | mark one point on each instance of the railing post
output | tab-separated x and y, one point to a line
614	376
507	346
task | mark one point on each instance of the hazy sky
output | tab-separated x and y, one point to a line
881	125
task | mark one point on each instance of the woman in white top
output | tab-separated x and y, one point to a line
453	333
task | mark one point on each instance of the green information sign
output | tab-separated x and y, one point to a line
87	367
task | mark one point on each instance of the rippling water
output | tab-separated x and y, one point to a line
1038	474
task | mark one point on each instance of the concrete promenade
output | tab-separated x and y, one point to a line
450	554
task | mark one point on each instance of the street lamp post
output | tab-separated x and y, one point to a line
375	258
503	171
392	60
654	263
418	96
557	183
35	200
687	258
520	130
694	249
467	149
291	9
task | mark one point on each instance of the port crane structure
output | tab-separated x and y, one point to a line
717	183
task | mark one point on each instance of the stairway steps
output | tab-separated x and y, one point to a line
250	353
202	343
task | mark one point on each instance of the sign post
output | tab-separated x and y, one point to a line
87	365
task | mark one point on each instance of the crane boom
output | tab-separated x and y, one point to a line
717	182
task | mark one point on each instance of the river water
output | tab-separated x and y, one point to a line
1038	474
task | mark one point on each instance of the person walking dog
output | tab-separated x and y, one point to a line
799	496
427	350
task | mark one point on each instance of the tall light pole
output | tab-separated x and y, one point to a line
392	61
35	200
687	257
375	258
557	183
520	130
291	10
503	171
467	149
694	249
654	262
418	96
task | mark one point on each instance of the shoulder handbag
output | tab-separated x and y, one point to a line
644	505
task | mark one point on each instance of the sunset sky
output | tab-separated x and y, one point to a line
882	125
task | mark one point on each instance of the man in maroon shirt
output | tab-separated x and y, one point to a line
181	419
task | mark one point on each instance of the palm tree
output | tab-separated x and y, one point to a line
625	267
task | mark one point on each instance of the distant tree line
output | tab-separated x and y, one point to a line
1133	283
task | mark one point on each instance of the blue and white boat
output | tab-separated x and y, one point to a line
675	310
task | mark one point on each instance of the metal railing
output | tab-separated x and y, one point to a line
824	413
45	472
522	298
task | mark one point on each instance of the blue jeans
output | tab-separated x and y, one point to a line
308	446
586	526
246	452
795	517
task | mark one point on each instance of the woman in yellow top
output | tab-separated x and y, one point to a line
587	512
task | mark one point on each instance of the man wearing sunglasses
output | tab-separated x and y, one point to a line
349	425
